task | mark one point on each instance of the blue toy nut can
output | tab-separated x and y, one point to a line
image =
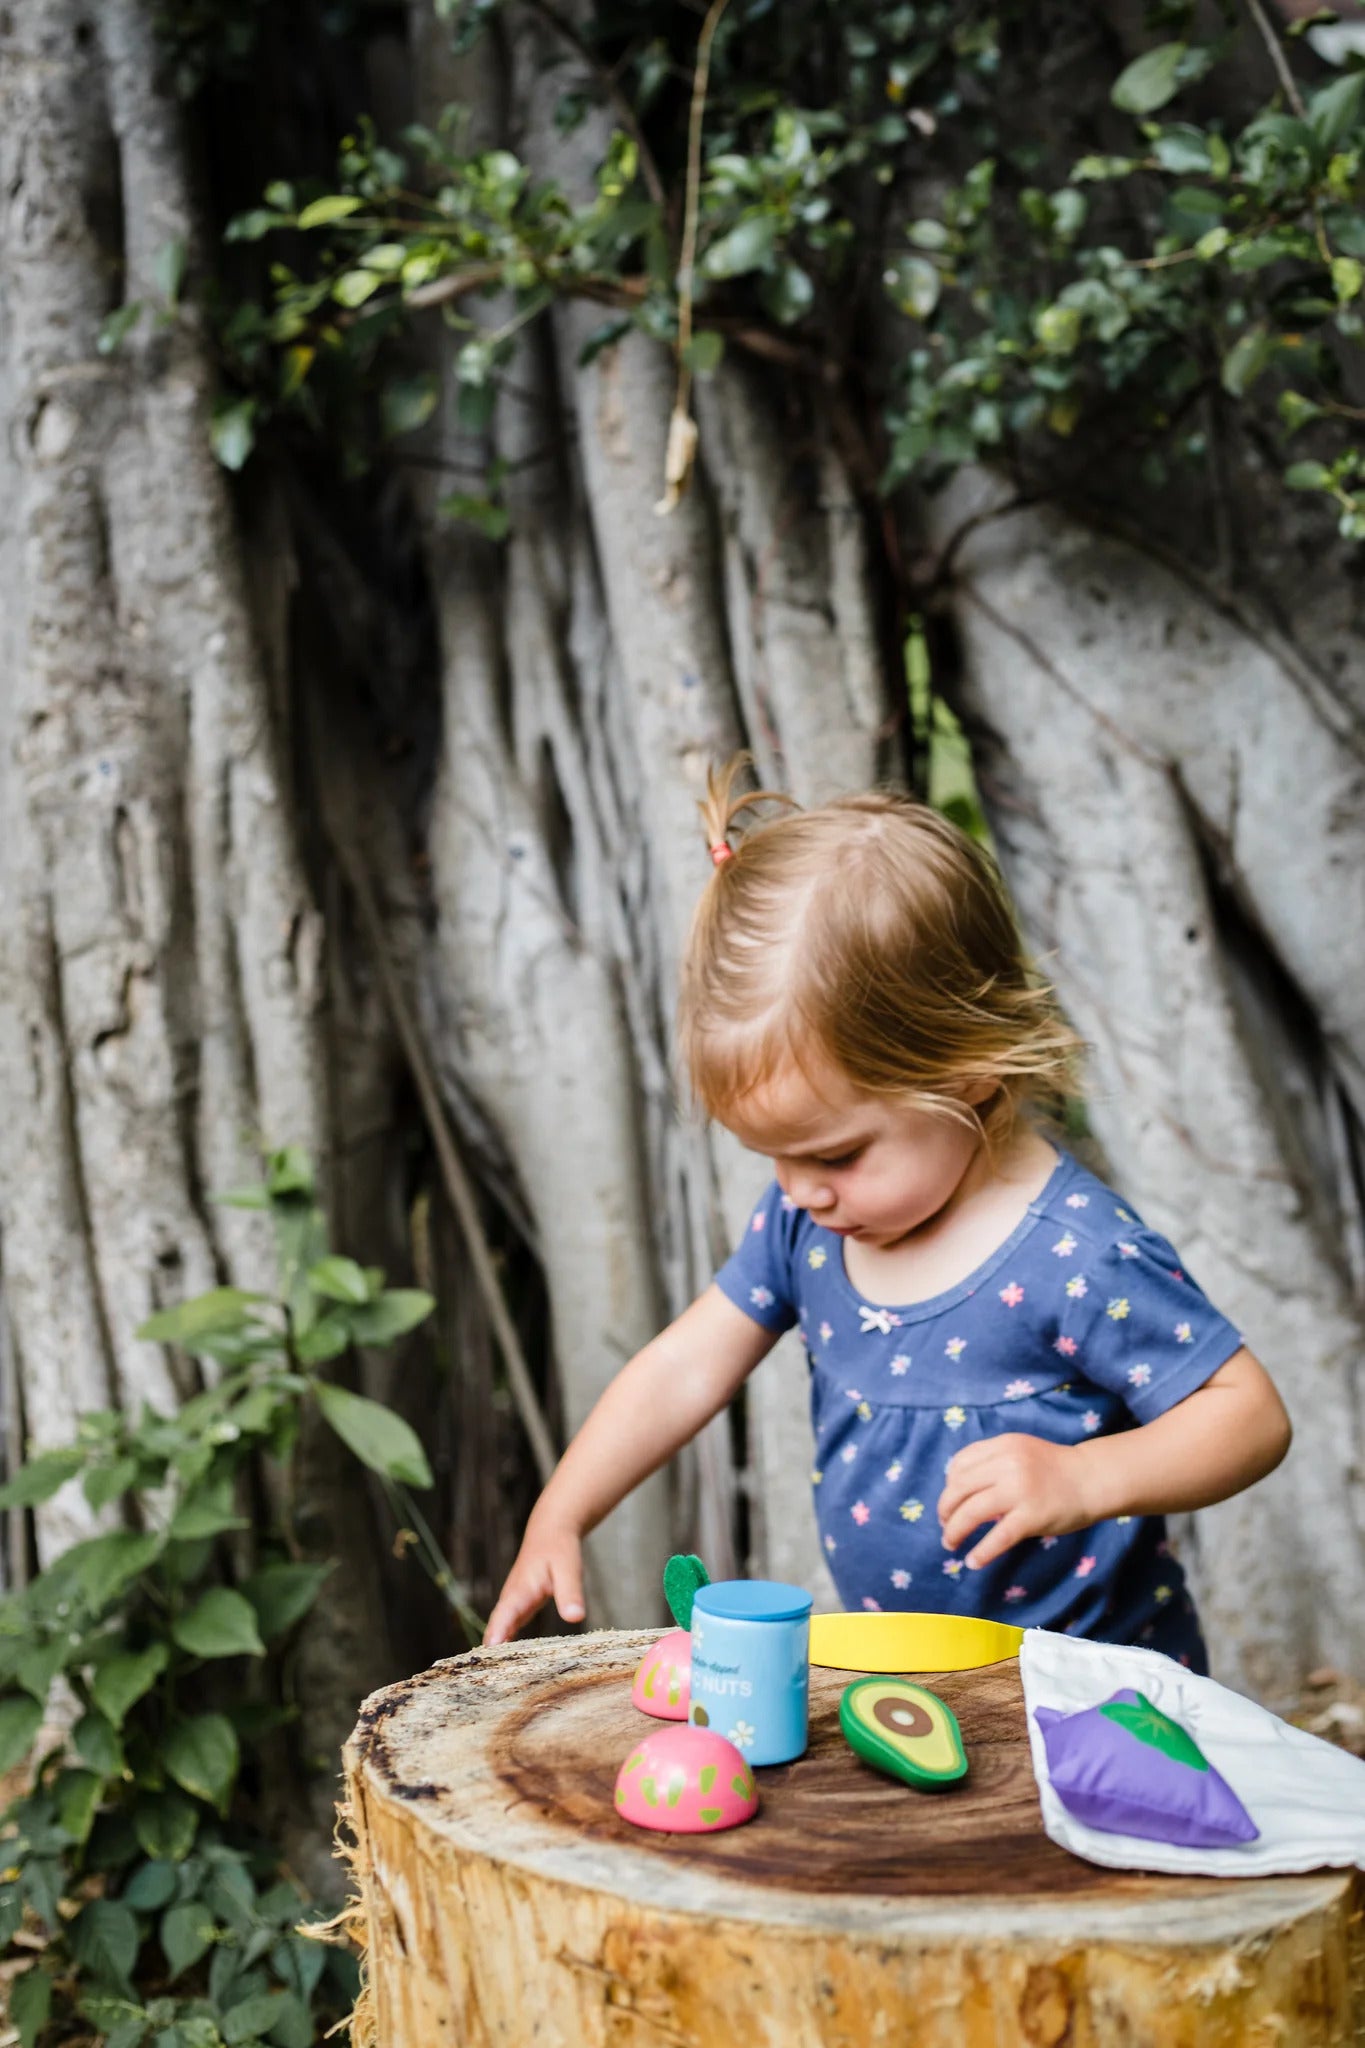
751	1666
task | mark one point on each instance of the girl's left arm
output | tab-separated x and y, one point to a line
1225	1436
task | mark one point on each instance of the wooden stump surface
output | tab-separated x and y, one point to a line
508	1900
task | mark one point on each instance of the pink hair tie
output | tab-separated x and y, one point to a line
721	852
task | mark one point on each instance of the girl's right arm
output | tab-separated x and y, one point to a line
655	1405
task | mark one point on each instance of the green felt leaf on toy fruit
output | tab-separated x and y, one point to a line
684	1577
1158	1730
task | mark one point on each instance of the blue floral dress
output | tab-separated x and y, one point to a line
1081	1324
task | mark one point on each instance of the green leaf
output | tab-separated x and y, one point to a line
121	1682
788	294
1058	328
336	206
289	1172
151	1886
748	246
328	1338
393	1313
41	1477
1150	80
1157	1730
340	1280
913	284
30	2002
406	404
168	268
379	1438
1296	411
1308	476
78	1798
1244	362
127	2033
353	287
232	437
105	1483
221	1309
492	521
1182	149
37	1669
292	2027
220	1624
207	1512
104	1939
201	1754
703	353
165	1824
1335	110
282	1594
20	1720
1098	168
97	1744
117	326
186	1933
103	1565
253	2017
1348	275
299	1963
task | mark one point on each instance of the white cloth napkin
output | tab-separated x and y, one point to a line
1306	1797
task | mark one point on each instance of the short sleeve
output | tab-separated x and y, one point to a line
1154	1336
757	1276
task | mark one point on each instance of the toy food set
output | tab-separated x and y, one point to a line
904	1730
751	1666
1303	1798
686	1781
1128	1769
663	1677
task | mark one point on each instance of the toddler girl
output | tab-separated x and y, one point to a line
1012	1378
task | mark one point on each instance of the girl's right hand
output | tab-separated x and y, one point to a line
549	1563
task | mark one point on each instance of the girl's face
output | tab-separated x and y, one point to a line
861	1165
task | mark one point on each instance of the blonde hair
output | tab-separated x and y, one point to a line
874	933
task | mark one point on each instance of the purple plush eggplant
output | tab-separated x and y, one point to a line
1128	1769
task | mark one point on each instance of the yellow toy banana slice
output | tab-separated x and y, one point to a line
910	1642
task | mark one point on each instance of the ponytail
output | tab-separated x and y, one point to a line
720	806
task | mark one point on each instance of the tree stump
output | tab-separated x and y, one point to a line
507	1903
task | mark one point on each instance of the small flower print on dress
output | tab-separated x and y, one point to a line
954	1417
830	1543
872	1606
815	1477
1076	1287
1085	1567
1118	1308
1067	1346
911	1510
1184	1334
1016	1592
1139	1375
1122	1521
952	1566
1065	1245
849	1453
863	1412
742	1735
826	1332
955	1347
1163	1594
759	1221
893	1472
761	1297
788	1203
854	1393
900	1364
1124	1217
900	1580
816	1256
861	1512
1018	1390
1012	1295
1049	1542
1127	1251
1090	1419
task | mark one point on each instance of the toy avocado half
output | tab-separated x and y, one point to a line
903	1729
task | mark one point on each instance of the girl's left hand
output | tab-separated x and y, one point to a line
1025	1485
